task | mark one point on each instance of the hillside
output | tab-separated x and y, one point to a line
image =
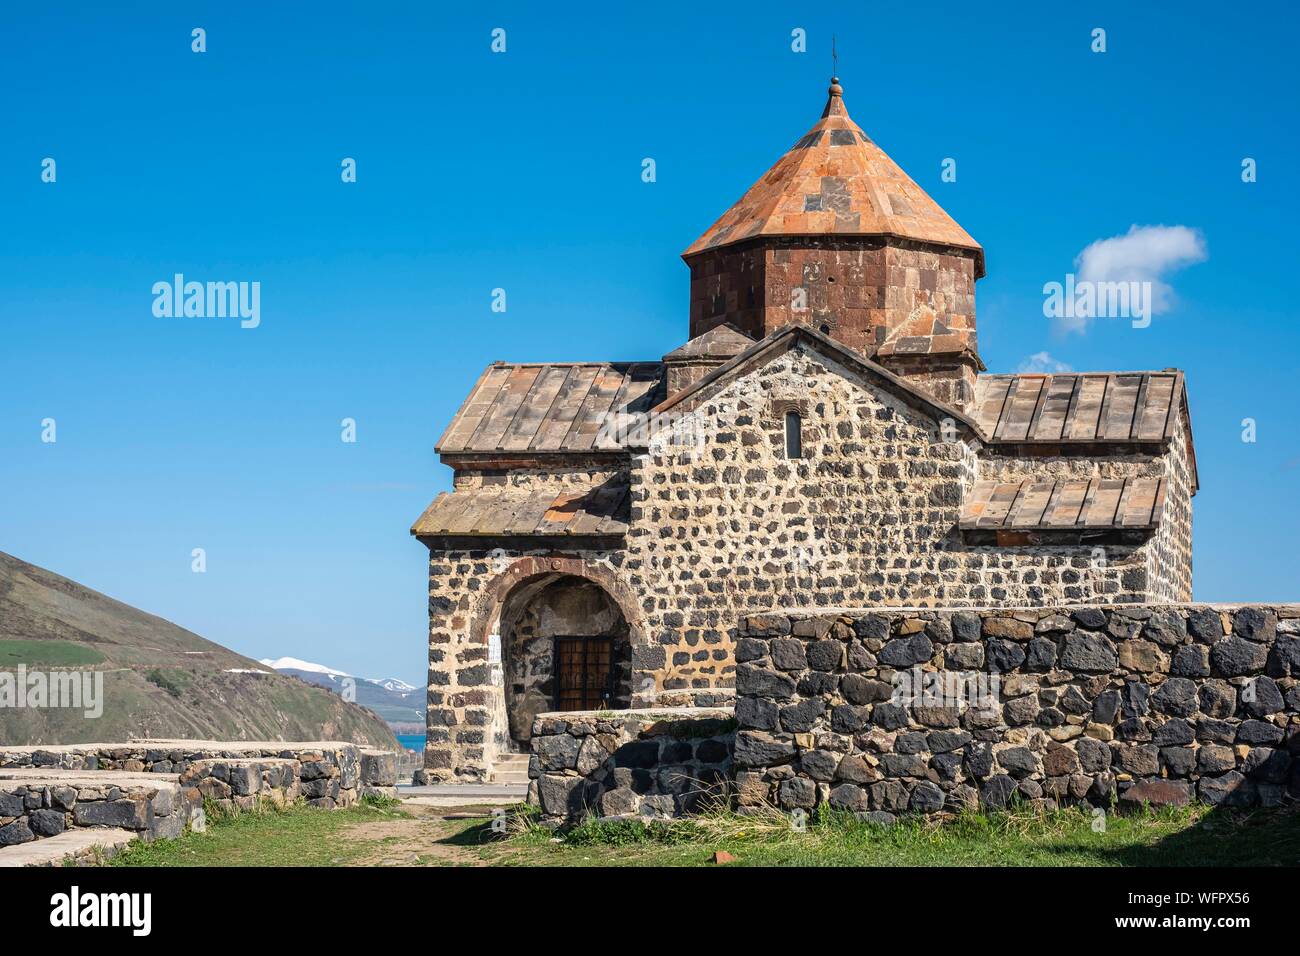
160	680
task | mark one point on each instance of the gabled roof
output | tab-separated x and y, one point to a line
786	338
497	510
722	341
836	181
558	407
1057	504
579	407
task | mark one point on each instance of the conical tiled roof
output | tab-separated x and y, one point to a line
836	181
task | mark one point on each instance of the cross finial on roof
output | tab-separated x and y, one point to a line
836	91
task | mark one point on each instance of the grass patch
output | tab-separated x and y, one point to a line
376	832
375	802
294	836
49	653
174	680
1191	836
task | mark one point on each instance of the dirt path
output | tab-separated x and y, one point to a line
427	836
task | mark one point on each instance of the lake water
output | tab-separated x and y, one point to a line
412	742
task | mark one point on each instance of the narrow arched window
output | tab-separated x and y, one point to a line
793	435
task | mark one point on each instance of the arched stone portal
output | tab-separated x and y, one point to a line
495	625
564	644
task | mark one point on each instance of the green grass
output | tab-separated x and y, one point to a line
47	653
295	836
172	679
1194	836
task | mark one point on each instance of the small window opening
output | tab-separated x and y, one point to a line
793	435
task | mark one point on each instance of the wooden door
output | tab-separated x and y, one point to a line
584	670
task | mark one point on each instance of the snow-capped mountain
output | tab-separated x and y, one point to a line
294	664
394	700
392	683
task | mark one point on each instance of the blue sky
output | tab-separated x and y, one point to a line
522	171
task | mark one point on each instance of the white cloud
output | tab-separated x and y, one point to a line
1042	362
1145	255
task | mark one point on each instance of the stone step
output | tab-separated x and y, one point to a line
510	777
464	794
79	844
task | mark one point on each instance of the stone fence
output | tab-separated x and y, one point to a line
324	773
895	711
39	803
919	711
654	763
153	788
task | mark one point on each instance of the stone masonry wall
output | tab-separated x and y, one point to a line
40	804
647	763
154	789
1169	555
1156	704
860	292
560	479
326	774
868	517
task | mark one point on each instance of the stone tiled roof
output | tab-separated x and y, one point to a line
559	407
723	341
1056	504
836	181
1079	407
494	510
565	407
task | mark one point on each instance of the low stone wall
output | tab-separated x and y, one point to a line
39	803
1145	704
325	773
657	763
153	788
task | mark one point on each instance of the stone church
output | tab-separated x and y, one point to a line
827	436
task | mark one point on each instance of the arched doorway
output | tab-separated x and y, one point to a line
564	645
